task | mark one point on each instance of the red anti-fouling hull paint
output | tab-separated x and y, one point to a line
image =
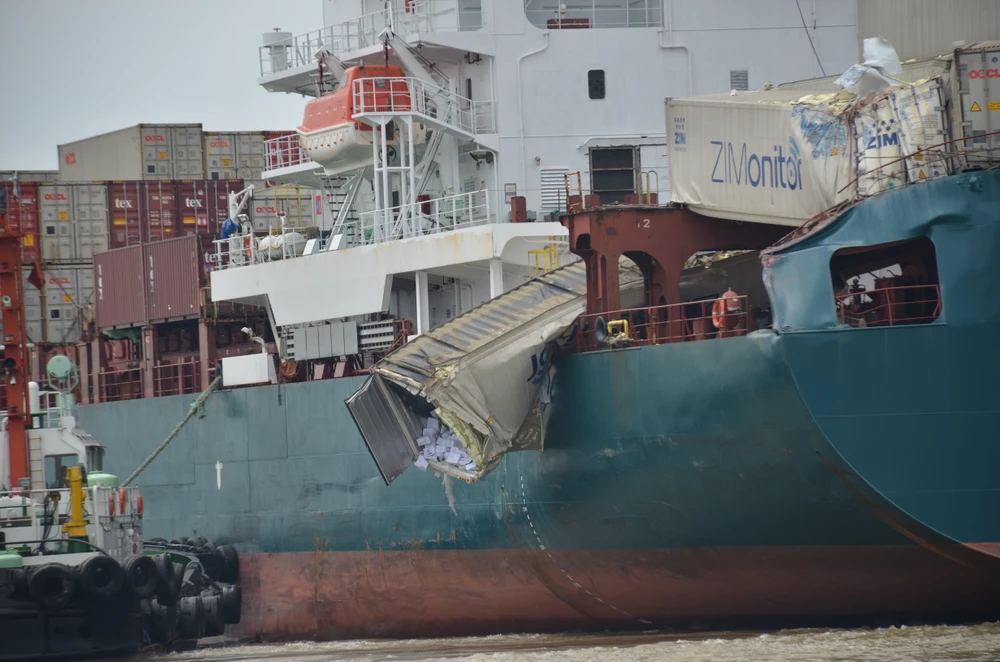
424	593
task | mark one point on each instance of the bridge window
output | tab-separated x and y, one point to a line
595	83
613	173
887	285
586	14
55	470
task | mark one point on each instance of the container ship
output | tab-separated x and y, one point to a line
419	274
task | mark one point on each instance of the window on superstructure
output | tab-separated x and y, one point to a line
587	14
739	80
887	284
613	172
595	83
55	470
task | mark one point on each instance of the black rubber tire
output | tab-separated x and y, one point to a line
19	578
167	592
232	563
208	548
163	623
197	542
101	578
214	622
143	576
191	618
180	540
52	586
232	604
158	541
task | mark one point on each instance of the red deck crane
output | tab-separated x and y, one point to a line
15	338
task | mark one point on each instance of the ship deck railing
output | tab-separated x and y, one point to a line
285	152
407	221
407	17
48	416
657	325
890	306
430	104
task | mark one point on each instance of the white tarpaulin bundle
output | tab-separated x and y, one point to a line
481	375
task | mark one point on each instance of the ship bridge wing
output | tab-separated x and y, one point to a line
482	374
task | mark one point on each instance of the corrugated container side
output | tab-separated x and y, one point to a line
205	205
55	210
235	155
918	28
124	201
159	211
30	175
120	295
144	151
57	314
301	206
173	278
27	217
91	219
976	91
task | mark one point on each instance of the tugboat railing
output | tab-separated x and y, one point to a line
658	325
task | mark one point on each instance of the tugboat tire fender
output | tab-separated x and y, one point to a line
231	561
52	586
167	592
191	618
232	604
143	576
101	577
214	622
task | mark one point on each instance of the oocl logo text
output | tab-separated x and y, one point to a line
266	210
60	281
153	138
984	73
736	164
55	196
218	143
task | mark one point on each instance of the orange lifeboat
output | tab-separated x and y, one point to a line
330	135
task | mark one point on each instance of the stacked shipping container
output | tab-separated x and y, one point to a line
144	151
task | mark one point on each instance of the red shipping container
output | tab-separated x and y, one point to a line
205	204
174	275
160	211
120	288
125	213
25	217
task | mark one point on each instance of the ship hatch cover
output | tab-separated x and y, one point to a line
387	425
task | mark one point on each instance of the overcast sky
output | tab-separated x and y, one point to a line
70	69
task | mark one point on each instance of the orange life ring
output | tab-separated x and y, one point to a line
717	313
138	505
247	244
121	500
111	505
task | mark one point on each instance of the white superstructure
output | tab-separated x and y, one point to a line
516	94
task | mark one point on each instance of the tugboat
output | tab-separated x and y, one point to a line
76	577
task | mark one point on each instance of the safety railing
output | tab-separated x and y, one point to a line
657	325
418	219
412	95
177	378
405	16
117	385
890	306
637	14
284	151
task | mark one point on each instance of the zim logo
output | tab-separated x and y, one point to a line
55	196
156	139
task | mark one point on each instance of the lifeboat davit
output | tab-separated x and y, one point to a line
329	134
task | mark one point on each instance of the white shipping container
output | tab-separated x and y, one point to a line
236	155
74	221
976	89
302	207
757	157
144	151
57	314
30	175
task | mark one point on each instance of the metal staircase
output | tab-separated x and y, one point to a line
341	194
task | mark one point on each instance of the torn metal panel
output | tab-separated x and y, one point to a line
387	425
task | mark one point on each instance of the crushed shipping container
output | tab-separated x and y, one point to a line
483	374
144	151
